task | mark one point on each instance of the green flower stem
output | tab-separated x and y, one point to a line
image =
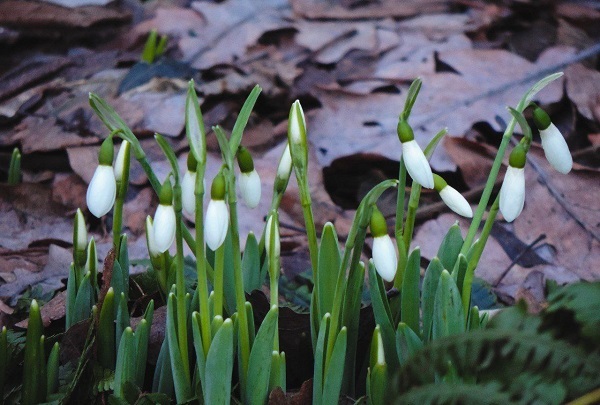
118	210
240	296
182	334
311	231
201	263
218	288
476	255
411	215
400	200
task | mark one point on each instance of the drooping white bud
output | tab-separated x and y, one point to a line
101	191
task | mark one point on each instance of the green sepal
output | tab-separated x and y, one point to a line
405	132
438	182
107	152
217	189
541	118
244	159
166	193
518	157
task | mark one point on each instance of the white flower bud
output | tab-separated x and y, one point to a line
250	188
556	149
188	188
512	193
217	223
416	164
120	162
101	191
272	227
456	202
384	257
285	164
164	227
152	249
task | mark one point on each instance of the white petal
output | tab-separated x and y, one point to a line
164	227
102	191
556	149
417	164
217	222
297	117
512	193
285	163
250	188
380	351
120	162
188	187
268	230
152	249
384	257
81	231
456	202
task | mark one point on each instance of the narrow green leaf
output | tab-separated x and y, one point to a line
198	347
142	334
71	297
411	98
474	319
258	368
242	119
525	128
125	368
318	375
122	318
448	316
216	324
30	392
84	300
536	88
14	169
251	264
335	370
169	153
149	52
251	330
407	342
219	363
181	381
3	359
378	384
410	292
106	332
430	285
163	377
450	247
52	370
329	268
459	271
430	148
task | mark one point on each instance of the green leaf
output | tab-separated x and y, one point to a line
3	359
242	119
411	98
71	297
31	371
430	285
84	300
536	88
258	367
199	349
459	271
329	268
169	153
430	148
106	332
450	247
318	375
407	342
194	125
149	52
448	316
122	317
163	377
410	292
251	264
52	370
142	334
219	363
335	370
181	381
125	368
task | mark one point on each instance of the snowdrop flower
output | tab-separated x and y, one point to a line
164	219
248	180
384	252
152	249
453	199
217	215
79	239
122	161
102	189
284	170
512	193
188	186
554	144
415	161
272	228
297	136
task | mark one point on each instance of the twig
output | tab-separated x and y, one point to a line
517	258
